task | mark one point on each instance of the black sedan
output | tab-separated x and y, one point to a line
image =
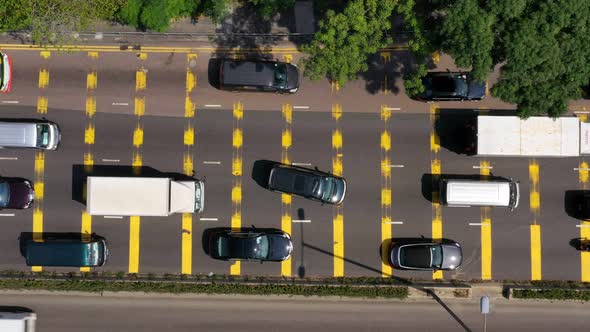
308	183
451	86
252	245
16	193
425	255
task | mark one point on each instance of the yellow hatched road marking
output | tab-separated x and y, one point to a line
37	224
43	78
535	252
39	163
238	111
286	139
142	55
139	106
91	81
134	222
286	199
486	249
287	111
583	176
386	269
237	138
89	134
435	167
138	136
140	80
191	80
88	159
137	160
236	166
39	190
93	55
86	229
286	266
45	54
187	243
338	222
385	141
189	136
90	106
437	235
337	139
236	224
585	255
337	166
385	169
288	58
42	105
187	164
236	194
336	111
385	197
189	107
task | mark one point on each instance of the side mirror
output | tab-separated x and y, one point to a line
316	168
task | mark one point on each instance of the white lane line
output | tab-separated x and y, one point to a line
208	219
113	217
301	220
120	104
301	164
10	102
212	105
8	158
581	112
6	214
391	108
398	166
111	160
484	167
581	169
582	226
212	162
394	222
475	224
301	107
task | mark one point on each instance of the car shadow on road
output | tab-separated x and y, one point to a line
570	201
403	281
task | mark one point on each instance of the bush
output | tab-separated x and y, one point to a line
155	14
553	294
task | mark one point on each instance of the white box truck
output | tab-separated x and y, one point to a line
17	321
535	136
143	196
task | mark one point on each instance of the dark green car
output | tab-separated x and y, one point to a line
65	252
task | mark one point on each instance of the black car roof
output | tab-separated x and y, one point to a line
416	256
257	73
293	179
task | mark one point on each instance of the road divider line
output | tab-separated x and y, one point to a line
394	222
301	107
581	169
111	160
585	255
6	214
212	105
535	252
208	219
113	217
286	217
301	220
187	243
10	102
212	162
8	158
396	166
392	108
134	226
584	225
486	249
301	164
483	167
475	224
120	104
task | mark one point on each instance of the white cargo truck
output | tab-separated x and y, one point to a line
17	321
143	196
535	136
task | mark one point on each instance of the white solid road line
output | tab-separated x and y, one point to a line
581	112
8	158
484	167
394	222
475	224
212	105
120	104
301	107
113	217
10	102
111	160
398	166
208	219
6	214
391	108
212	162
301	164
301	220
581	169
582	226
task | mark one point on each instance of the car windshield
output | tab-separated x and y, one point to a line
329	185
437	256
461	86
281	76
42	135
93	254
4	194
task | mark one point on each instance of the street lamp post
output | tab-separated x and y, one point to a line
484	307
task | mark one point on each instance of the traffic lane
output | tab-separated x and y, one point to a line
116	83
312	137
260	207
117	313
362	169
212	155
558	229
511	245
166	83
25	78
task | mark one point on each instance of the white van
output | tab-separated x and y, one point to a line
36	134
465	193
17	321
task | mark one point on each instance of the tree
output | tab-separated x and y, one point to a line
269	7
339	50
155	14
543	46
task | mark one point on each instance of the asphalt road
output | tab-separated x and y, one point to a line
162	149
217	313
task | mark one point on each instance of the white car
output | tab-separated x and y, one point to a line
5	73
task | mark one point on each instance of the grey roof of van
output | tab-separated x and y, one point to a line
18	134
260	73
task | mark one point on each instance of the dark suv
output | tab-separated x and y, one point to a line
258	75
451	86
16	193
308	183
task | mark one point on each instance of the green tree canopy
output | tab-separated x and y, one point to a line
268	8
544	46
340	48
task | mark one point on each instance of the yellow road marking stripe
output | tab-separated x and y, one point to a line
93	55
189	136
86	228
187	164
238	110
42	105
237	138
236	194
583	172
486	249
288	58
386	269
535	252
435	167
43	78
336	111
437	235
385	197
286	139
534	171
585	255
287	111
88	159
187	243
236	224
39	190
139	106
484	168
39	163
37	224
436	57
385	169
286	199
137	160
338	222
140	80
91	81
434	142
134	223
90	106
142	55
89	134
336	139
191	80
236	166
286	266
138	136
337	166
385	141
44	54
189	107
